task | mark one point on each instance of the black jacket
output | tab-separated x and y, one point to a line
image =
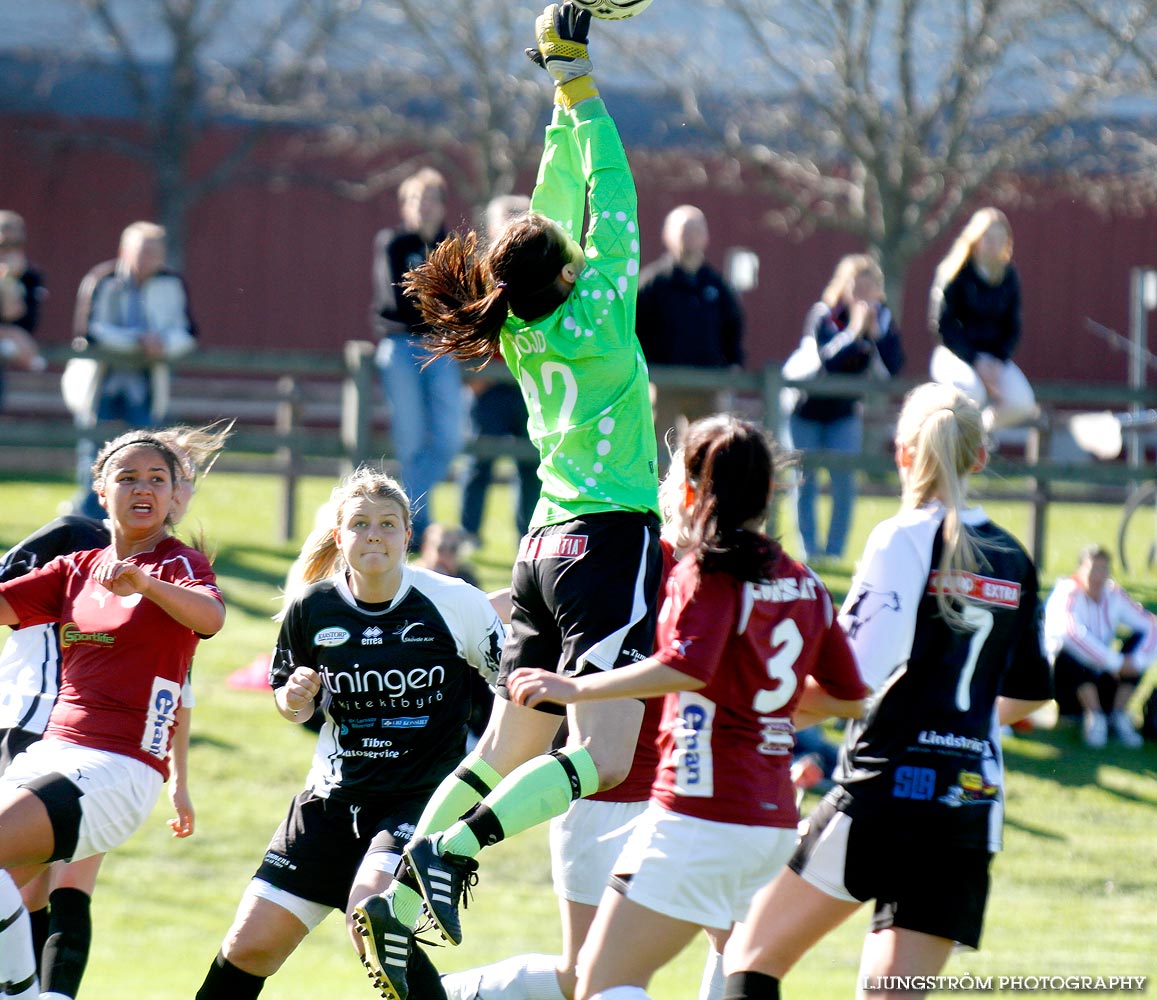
395	253
842	354
688	319
976	317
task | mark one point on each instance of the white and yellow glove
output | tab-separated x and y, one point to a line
561	32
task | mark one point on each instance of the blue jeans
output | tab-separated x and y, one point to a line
126	396
499	411
426	414
845	435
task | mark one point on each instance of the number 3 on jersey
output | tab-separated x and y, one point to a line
781	668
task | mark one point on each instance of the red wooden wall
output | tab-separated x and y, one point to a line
288	267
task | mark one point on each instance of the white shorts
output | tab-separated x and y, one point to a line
700	871
306	910
118	792
585	843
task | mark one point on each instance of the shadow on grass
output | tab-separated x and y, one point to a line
201	740
1033	831
1074	765
246	576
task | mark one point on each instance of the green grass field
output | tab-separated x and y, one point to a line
1074	890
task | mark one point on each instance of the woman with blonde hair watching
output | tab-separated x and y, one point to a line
974	310
942	616
854	334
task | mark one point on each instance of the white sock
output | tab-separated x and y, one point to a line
55	996
17	961
622	993
523	977
711	986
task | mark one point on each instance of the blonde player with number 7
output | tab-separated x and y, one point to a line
943	616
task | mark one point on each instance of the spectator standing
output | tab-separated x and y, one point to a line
498	410
424	394
132	316
975	312
1094	676
22	292
687	315
854	335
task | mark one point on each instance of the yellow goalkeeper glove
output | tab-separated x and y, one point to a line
561	32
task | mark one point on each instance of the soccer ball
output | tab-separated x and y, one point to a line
613	10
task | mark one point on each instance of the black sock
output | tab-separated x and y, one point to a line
750	986
422	977
40	932
65	952
224	981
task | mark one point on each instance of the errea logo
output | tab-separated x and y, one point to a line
331	637
372	636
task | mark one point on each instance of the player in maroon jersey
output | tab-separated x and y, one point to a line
741	630
944	620
133	611
59	898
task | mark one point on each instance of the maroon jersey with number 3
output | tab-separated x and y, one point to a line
726	748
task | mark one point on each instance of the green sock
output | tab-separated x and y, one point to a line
531	794
457	795
407	904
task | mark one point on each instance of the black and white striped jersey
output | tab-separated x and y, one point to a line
928	748
30	659
395	689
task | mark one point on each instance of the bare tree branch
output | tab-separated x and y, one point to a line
886	119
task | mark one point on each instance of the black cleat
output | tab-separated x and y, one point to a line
441	880
388	943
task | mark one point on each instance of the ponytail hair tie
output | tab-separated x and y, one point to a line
501	285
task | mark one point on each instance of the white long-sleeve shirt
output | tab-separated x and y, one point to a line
1086	629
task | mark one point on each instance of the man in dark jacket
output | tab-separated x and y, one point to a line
689	316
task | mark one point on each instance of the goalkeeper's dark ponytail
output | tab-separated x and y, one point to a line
465	298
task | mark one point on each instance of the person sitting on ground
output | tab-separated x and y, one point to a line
1092	676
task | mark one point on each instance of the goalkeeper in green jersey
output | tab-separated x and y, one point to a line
585	583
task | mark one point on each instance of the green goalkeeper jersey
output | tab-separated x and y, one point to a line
581	370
